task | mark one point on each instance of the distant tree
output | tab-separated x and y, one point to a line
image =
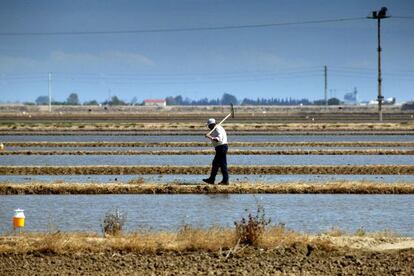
408	106
334	101
177	100
319	102
170	100
41	100
228	99
73	99
134	101
58	103
92	102
116	101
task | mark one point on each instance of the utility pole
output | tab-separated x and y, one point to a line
50	91
378	15
326	86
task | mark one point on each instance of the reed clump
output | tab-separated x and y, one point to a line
113	223
251	229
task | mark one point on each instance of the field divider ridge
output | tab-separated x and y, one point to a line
349	187
211	151
202	170
206	144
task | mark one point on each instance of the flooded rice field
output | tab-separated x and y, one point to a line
201	138
303	213
191	179
275	148
179	160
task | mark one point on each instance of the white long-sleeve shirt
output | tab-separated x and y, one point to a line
221	134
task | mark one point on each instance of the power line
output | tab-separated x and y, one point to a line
190	29
403	17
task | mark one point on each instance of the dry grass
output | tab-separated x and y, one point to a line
211	151
187	239
340	187
255	170
205	144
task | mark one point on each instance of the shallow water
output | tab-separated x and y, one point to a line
197	148
188	160
201	138
305	213
180	178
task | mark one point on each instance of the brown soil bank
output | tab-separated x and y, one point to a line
205	144
249	261
209	152
112	170
196	252
353	187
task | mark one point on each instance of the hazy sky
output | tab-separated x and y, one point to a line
280	61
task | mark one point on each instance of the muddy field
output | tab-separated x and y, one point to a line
249	261
262	114
231	126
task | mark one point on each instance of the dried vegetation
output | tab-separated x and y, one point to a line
138	187
255	170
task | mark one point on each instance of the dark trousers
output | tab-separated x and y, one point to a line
220	161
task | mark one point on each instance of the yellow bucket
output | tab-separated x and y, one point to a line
18	218
18	222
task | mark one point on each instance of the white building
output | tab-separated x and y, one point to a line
155	102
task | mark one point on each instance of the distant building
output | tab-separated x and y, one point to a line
387	101
155	102
390	101
351	97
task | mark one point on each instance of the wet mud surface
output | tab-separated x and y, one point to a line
246	261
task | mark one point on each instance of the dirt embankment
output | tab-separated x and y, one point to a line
249	261
256	170
209	152
193	252
242	123
352	187
205	144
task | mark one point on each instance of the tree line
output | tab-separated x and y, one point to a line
226	99
229	98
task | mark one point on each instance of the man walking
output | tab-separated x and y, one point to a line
219	140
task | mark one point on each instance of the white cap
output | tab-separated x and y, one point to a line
211	121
